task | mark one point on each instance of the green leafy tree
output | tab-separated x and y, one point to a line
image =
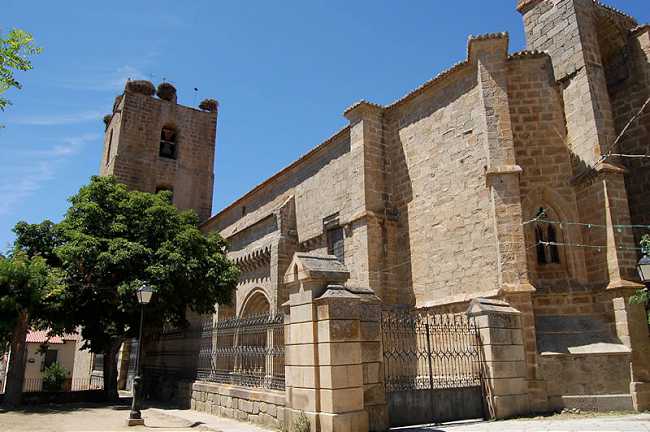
26	285
54	377
16	48
113	241
39	240
642	296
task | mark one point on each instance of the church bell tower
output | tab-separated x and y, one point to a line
152	143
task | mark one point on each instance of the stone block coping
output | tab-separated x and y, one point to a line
596	349
483	305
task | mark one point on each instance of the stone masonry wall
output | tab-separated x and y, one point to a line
317	181
580	303
566	30
542	152
536	387
320	184
445	232
627	99
593	374
263	407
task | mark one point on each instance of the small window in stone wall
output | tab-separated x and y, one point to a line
168	143
336	243
546	240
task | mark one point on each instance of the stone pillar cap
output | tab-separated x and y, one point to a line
483	306
487	43
360	109
337	292
307	266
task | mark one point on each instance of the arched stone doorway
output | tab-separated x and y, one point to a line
255	341
256	303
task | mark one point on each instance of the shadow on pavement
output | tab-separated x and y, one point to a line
193	425
121	404
436	427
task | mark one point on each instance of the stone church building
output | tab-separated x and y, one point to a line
500	178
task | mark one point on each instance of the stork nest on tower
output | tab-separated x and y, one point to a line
166	91
210	105
141	86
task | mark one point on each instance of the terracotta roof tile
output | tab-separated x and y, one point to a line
40	336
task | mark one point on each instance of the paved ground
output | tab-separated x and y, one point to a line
580	423
100	418
87	417
96	418
210	421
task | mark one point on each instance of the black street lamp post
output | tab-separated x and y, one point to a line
135	417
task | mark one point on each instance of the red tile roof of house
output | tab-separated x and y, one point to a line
40	336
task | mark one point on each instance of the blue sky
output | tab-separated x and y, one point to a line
283	72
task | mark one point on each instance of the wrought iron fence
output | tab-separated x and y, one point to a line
245	351
429	351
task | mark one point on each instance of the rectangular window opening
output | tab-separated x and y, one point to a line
51	357
98	362
168	143
336	243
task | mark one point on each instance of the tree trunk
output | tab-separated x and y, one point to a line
110	370
16	372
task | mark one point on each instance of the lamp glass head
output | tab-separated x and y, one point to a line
144	294
644	268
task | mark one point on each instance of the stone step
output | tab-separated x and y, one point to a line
598	403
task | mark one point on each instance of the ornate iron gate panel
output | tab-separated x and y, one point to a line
245	351
432	367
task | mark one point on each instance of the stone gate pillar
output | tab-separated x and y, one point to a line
372	358
503	362
323	346
340	361
632	329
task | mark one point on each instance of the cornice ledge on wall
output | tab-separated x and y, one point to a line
458	298
517	288
503	170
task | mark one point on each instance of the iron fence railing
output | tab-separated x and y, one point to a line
245	351
429	351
